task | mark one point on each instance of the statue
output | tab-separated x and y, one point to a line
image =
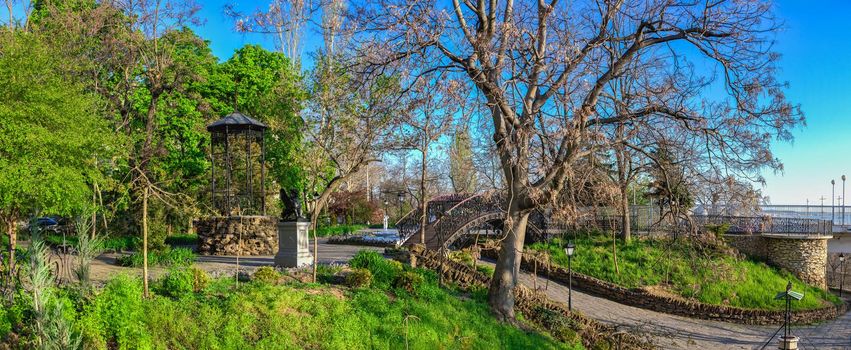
292	205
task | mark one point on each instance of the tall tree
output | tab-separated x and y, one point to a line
50	135
462	171
429	117
543	70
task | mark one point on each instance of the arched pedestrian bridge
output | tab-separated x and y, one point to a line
797	244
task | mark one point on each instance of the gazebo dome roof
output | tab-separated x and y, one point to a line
236	122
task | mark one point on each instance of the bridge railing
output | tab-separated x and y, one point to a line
767	224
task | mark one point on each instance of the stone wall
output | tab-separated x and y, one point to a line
805	258
647	300
221	235
750	245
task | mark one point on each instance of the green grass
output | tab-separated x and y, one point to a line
165	257
182	239
704	275
338	230
258	315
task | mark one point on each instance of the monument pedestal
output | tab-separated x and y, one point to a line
293	244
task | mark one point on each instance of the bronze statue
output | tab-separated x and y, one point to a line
292	205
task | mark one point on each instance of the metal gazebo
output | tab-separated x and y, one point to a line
238	156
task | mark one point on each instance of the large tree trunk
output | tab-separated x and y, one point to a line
625	217
501	291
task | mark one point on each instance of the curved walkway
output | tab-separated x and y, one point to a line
677	332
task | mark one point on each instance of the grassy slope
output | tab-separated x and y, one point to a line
708	277
262	316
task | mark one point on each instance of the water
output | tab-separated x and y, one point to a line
810	212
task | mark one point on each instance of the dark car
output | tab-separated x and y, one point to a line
47	224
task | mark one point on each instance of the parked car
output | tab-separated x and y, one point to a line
47	223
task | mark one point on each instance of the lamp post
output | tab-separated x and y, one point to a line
569	251
401	196
832	200
843	201
842	271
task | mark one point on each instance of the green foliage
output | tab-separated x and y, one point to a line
200	279
338	230
177	283
409	280
50	134
462	171
359	278
182	239
164	257
686	269
5	323
383	271
486	270
267	275
117	315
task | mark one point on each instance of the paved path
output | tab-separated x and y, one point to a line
104	266
676	332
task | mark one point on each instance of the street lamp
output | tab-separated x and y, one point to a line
401	197
569	251
843	200
842	276
832	200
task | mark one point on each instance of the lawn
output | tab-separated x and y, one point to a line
399	308
338	230
680	267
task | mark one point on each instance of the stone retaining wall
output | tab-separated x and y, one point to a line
803	256
221	235
535	306
646	300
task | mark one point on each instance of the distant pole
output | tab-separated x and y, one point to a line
843	200
832	200
821	216
808	207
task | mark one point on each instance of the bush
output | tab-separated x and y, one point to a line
166	257
359	278
383	271
5	324
409	281
200	279
338	230
267	275
177	283
185	239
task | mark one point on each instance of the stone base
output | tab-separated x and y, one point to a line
237	235
788	343
293	246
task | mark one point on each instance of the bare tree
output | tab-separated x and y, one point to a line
429	117
284	19
543	67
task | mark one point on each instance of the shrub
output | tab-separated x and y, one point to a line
409	281
166	257
177	283
267	275
359	278
383	271
200	279
5	324
183	239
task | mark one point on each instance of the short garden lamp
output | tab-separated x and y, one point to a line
788	341
842	276
569	251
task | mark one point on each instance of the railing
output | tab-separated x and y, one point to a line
767	224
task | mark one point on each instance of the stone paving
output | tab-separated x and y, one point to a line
676	332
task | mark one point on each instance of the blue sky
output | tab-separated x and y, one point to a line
816	61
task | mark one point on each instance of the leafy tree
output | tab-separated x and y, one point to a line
462	171
50	134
